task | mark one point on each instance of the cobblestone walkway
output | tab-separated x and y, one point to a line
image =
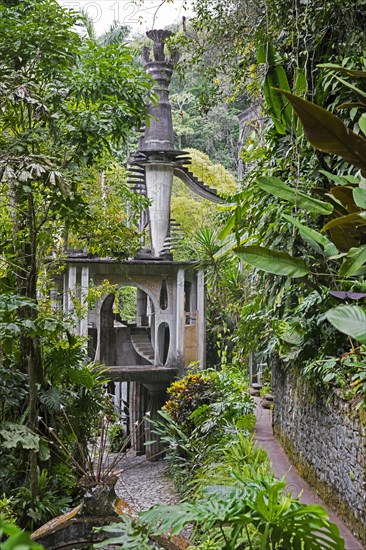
143	484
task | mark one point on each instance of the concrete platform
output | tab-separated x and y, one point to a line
148	374
282	466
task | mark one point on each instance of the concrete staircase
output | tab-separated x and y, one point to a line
196	184
142	344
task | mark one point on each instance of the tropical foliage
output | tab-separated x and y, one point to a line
284	257
232	499
297	222
68	104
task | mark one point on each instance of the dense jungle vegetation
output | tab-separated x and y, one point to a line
284	256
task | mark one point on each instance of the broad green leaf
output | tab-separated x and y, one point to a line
280	110
339	180
329	248
350	320
272	261
355	258
352	179
300	82
229	243
278	188
359	196
353	220
14	434
345	197
313	244
327	132
362	123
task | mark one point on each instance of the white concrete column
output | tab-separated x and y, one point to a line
180	317
84	299
159	181
72	291
99	328
201	319
65	291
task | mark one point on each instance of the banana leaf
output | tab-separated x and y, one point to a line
345	197
272	261
278	188
352	87
352	220
327	132
339	180
307	232
280	110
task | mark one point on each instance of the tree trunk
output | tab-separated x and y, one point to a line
26	273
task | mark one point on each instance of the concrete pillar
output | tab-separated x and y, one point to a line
201	325
137	407
193	301
159	181
141	307
71	291
157	398
65	291
180	318
84	300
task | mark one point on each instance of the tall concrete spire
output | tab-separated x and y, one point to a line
158	140
157	160
159	134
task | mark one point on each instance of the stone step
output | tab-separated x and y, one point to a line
141	342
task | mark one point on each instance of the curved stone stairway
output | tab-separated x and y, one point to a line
142	344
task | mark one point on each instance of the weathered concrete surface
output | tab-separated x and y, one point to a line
142	373
282	466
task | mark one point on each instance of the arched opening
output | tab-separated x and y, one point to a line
127	323
163	342
92	340
107	335
127	304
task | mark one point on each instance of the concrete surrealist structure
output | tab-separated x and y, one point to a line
168	333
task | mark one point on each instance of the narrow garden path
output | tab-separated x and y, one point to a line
282	466
143	484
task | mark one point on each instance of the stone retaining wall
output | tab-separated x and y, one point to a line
325	437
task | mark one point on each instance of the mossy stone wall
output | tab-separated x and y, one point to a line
325	436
